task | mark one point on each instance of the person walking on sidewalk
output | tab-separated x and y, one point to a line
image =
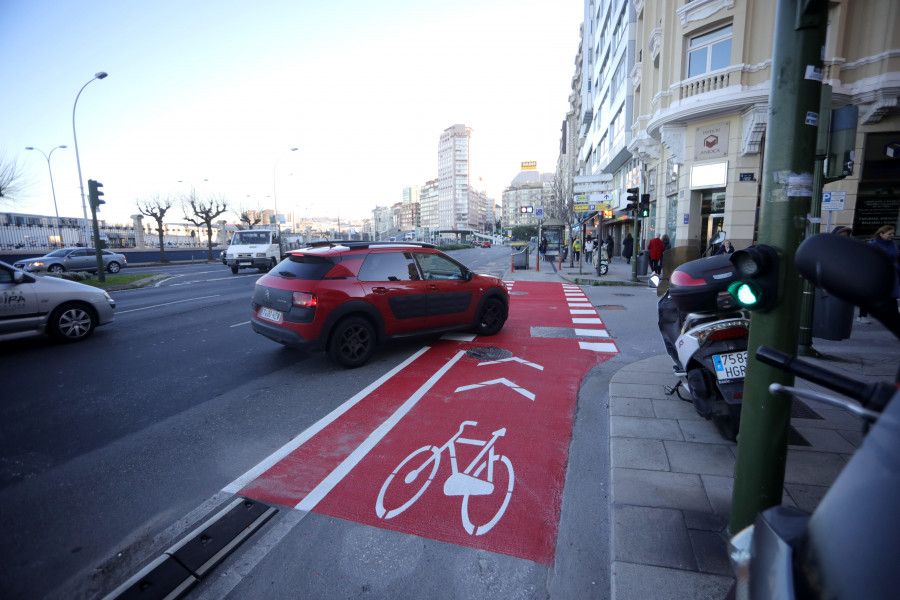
576	248
725	248
609	245
667	245
655	247
627	248
884	239
588	249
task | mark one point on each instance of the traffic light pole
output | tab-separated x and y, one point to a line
796	82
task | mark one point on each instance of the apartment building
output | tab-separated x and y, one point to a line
528	199
694	106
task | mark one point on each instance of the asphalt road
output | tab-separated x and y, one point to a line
112	447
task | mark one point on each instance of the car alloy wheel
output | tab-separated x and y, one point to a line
352	342
492	317
56	269
113	267
71	323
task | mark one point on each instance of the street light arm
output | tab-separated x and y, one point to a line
100	75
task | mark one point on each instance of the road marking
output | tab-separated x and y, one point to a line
599	346
582	311
501	381
239	324
584	321
265	465
121	312
513	359
591	332
335	477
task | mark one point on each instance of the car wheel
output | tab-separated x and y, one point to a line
71	323
113	267
352	342
493	316
56	269
234	269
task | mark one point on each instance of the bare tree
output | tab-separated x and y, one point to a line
250	216
12	182
202	212
156	208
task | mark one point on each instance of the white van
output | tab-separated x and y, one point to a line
253	249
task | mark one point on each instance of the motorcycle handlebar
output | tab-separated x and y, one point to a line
859	391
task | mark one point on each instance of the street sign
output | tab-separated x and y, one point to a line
586	188
602	177
833	200
592	207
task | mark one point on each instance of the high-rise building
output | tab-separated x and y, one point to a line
456	204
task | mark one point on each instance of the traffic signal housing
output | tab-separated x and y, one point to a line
94	194
645	205
632	200
757	287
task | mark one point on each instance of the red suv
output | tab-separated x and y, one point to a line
345	297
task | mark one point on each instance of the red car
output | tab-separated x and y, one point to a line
346	297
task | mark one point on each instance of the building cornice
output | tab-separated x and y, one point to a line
697	10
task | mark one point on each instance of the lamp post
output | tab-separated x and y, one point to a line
275	188
52	188
100	75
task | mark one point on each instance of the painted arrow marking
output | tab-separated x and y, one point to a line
514	358
503	381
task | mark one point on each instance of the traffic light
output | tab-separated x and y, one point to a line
632	200
645	205
94	194
757	267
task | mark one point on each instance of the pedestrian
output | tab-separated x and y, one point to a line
842	230
667	245
725	248
588	249
655	247
884	239
542	248
627	247
576	248
609	245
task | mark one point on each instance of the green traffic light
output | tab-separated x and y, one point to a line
746	294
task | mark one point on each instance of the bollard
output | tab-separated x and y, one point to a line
537	263
512	263
560	261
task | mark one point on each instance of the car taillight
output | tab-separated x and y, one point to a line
730	333
683	279
304	300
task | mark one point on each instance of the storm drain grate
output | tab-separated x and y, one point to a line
610	307
799	410
488	353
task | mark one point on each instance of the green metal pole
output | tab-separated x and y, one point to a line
786	193
807	305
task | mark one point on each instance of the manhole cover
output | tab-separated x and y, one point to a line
488	353
621	294
610	307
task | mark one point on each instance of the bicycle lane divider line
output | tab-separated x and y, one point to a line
336	476
238	484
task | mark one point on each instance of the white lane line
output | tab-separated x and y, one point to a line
239	483
239	324
121	312
585	321
580	305
335	477
590	333
599	347
582	311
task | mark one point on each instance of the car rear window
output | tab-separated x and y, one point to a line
303	266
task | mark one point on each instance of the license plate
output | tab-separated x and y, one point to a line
270	315
244	263
732	365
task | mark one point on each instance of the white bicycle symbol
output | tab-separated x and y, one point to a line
465	484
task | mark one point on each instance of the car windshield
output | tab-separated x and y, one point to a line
243	238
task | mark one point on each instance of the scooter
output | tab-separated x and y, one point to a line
706	333
845	548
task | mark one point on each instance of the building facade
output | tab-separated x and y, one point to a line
688	123
528	199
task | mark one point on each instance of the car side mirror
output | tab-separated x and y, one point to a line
468	275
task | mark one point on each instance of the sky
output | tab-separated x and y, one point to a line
214	94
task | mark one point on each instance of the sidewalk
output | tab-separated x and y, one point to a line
672	473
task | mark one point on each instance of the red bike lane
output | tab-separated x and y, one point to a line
467	443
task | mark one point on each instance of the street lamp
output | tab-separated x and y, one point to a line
52	188
100	75
275	188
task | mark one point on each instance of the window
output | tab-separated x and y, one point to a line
709	52
389	266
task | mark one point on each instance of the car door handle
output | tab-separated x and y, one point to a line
379	290
432	286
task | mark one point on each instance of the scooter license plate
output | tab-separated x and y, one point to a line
732	365
270	315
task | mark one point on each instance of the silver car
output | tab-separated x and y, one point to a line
34	305
73	259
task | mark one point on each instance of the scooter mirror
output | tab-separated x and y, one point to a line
653	281
849	269
719	238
